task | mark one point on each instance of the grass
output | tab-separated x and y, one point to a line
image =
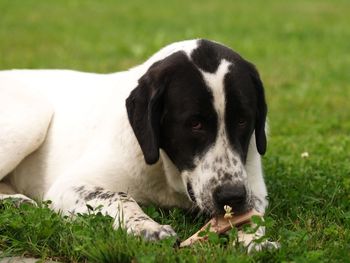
302	51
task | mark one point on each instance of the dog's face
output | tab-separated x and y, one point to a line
202	107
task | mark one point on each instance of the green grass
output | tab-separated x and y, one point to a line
302	51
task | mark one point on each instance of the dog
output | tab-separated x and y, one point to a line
184	129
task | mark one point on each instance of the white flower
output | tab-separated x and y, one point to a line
305	155
228	210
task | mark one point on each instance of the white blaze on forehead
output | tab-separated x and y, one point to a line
186	46
221	148
220	164
216	84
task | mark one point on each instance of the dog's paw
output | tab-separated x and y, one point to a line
158	233
18	199
265	245
152	231
253	241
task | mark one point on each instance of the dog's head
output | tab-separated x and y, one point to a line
200	106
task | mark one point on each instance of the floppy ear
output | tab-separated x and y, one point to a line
144	106
260	135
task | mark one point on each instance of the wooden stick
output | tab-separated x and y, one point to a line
220	225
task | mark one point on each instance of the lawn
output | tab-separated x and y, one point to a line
302	50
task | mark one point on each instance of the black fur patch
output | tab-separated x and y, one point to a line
92	195
102	194
209	54
170	97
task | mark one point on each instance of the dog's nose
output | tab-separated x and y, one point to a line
232	195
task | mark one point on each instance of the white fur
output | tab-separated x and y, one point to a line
215	82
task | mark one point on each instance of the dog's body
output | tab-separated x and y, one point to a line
88	138
183	129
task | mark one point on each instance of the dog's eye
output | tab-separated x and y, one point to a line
196	125
242	123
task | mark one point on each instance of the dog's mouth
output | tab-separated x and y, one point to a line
208	205
191	193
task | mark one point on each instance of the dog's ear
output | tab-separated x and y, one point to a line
144	106
260	134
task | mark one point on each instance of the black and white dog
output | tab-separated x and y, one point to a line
186	128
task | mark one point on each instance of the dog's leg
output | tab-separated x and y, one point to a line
258	200
249	241
256	178
122	208
24	120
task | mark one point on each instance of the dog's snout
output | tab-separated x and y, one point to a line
232	195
